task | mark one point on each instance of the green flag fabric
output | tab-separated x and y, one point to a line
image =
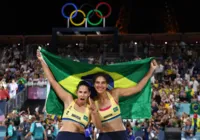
22	80
188	95
69	73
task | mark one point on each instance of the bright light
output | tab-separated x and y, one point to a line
165	42
76	44
18	44
196	42
135	43
98	33
47	44
59	33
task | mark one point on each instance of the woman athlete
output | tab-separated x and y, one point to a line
77	113
108	107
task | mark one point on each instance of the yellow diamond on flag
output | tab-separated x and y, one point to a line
70	83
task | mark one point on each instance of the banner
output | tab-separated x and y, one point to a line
37	93
183	107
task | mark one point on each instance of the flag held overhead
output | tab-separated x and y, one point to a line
69	73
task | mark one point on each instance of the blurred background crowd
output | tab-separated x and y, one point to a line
175	87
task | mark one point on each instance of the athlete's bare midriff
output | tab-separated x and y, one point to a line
70	126
113	125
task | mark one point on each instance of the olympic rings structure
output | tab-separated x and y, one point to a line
86	17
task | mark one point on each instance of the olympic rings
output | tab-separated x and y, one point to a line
86	18
110	9
82	22
88	15
86	4
63	8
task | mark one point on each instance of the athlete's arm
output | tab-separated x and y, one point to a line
117	92
95	115
62	94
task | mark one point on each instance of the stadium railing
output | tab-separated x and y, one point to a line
17	102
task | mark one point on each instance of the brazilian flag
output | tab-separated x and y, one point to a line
195	108
69	73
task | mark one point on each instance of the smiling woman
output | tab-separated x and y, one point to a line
107	104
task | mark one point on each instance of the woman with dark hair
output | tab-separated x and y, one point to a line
77	113
108	107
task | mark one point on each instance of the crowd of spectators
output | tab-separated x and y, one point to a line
16	71
175	81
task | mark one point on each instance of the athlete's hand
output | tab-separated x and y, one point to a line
39	54
154	65
92	106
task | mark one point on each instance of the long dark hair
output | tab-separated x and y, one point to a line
83	83
101	74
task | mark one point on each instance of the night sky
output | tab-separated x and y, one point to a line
146	16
